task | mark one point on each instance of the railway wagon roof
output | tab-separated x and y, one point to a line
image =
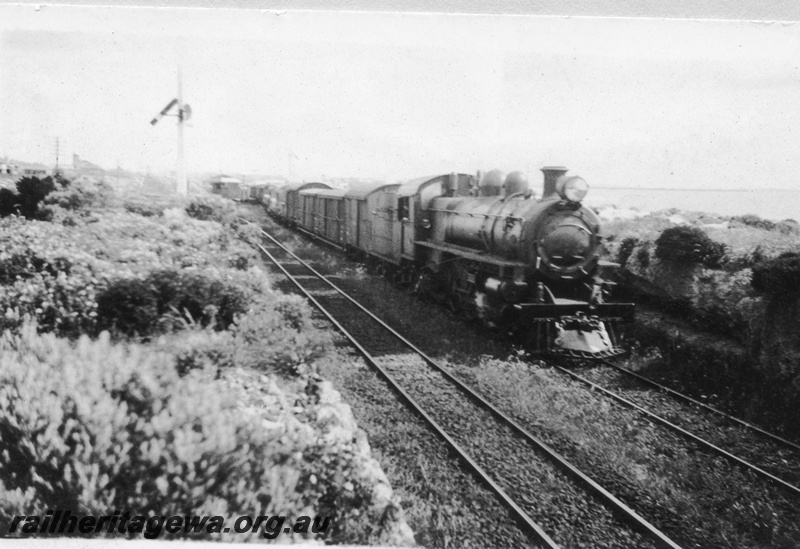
325	193
364	191
411	187
304	186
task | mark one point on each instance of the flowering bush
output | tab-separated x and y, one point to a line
97	426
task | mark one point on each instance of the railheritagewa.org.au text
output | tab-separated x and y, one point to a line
64	522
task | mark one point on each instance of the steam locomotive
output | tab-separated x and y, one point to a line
482	244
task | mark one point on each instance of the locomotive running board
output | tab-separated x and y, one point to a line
605	311
468	253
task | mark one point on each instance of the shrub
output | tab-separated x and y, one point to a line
94	427
240	261
200	349
779	276
276	335
212	208
27	263
129	306
689	245
8	202
752	220
787	226
206	300
746	260
145	209
79	195
250	233
167	300
31	191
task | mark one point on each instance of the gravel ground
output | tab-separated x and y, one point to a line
566	512
444	504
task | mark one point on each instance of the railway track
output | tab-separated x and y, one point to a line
518	467
773	458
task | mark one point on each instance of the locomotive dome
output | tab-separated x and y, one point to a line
491	184
516	182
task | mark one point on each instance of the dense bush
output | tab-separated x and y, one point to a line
689	245
95	426
166	300
8	202
129	306
212	208
79	195
779	276
31	191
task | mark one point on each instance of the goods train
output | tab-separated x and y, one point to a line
484	245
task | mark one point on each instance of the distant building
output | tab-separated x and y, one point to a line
34	172
220	183
84	165
9	169
229	187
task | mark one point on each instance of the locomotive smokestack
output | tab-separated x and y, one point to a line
451	185
551	175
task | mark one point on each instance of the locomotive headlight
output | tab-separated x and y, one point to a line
572	188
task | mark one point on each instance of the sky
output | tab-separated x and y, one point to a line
645	103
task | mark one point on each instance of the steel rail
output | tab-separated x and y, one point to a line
528	523
681	396
628	514
661	421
